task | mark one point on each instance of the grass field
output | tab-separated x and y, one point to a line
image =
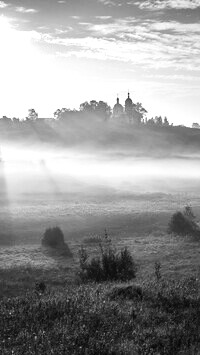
138	222
70	318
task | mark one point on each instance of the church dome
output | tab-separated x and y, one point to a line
128	101
118	108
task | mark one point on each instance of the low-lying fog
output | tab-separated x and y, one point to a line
54	171
89	190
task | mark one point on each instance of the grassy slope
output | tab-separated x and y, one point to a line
156	318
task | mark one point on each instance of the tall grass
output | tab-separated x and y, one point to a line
156	318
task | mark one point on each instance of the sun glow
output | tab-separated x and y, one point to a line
16	46
22	66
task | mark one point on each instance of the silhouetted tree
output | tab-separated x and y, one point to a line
6	120
158	120
100	109
196	125
88	107
32	114
166	122
57	114
150	122
15	120
103	110
141	112
60	113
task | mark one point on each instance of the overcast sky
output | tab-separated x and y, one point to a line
56	54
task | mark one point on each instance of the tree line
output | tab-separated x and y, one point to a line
98	108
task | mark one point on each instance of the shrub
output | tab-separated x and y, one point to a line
109	266
54	238
183	223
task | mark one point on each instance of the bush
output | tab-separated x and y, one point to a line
110	266
54	238
184	223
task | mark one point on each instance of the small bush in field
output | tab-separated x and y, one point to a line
54	238
109	266
184	223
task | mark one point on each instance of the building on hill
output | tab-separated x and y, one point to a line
132	113
118	109
129	107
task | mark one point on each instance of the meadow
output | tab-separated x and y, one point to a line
137	221
152	314
156	313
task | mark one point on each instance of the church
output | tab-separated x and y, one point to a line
128	113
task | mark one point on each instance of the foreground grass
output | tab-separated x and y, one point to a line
159	317
154	316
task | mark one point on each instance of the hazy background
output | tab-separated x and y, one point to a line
86	176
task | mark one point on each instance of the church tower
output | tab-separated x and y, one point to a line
117	109
129	107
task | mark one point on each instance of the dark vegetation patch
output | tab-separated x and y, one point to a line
131	292
184	223
110	265
54	238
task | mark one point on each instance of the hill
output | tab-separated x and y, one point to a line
85	132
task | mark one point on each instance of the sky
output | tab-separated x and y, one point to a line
56	54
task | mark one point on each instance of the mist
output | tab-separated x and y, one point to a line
54	170
85	174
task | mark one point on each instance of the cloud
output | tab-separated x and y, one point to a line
109	2
3	5
25	10
116	27
176	27
103	17
147	44
173	77
162	4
